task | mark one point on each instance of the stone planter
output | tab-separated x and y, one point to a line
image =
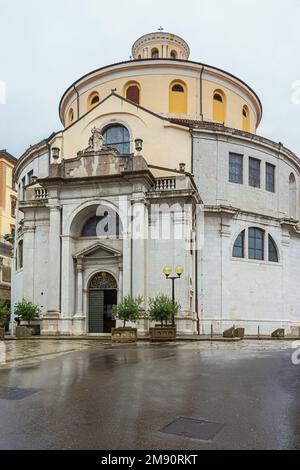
124	335
278	333
163	333
230	333
23	332
35	329
239	332
2	333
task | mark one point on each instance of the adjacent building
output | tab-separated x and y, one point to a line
7	221
158	164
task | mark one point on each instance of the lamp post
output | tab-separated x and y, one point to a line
167	272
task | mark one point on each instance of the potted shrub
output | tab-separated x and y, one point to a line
27	312
4	312
127	311
162	309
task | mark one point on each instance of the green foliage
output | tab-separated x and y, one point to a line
27	311
128	310
161	308
4	311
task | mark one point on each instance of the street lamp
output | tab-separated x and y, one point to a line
167	272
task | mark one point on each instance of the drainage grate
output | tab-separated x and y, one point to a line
193	428
14	393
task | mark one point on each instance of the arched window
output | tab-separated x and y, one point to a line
219	106
132	92
139	57
246	119
273	253
71	116
93	100
256	239
105	224
178	98
239	246
256	245
154	54
117	136
292	196
173	55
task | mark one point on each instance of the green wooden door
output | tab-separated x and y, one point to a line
96	307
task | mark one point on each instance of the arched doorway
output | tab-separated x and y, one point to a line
102	297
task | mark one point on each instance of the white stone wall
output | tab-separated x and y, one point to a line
242	292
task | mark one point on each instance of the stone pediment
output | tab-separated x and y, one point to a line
98	250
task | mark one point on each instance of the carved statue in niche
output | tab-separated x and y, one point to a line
96	141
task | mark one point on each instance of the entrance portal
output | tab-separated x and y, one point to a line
102	297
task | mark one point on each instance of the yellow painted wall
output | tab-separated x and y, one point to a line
6	220
155	96
164	144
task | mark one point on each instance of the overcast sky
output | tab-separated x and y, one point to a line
48	44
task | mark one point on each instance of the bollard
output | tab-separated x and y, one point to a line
211	331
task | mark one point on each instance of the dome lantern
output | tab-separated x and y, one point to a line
160	45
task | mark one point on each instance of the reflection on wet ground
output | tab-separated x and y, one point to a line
92	395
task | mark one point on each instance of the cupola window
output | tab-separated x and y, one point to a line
71	116
246	119
93	100
178	98
132	92
219	106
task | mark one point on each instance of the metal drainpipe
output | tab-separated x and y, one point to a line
192	150
131	249
196	290
60	267
77	93
201	93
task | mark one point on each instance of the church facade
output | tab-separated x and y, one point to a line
159	164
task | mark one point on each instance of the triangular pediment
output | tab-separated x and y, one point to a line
97	250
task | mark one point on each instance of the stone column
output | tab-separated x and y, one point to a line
139	234
68	295
79	318
51	319
54	260
28	260
79	269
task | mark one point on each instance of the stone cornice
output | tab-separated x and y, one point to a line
219	132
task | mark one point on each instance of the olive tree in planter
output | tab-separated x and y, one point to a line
127	311
162	309
4	312
27	312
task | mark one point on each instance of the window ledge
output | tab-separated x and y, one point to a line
256	261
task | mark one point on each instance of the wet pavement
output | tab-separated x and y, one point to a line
91	395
